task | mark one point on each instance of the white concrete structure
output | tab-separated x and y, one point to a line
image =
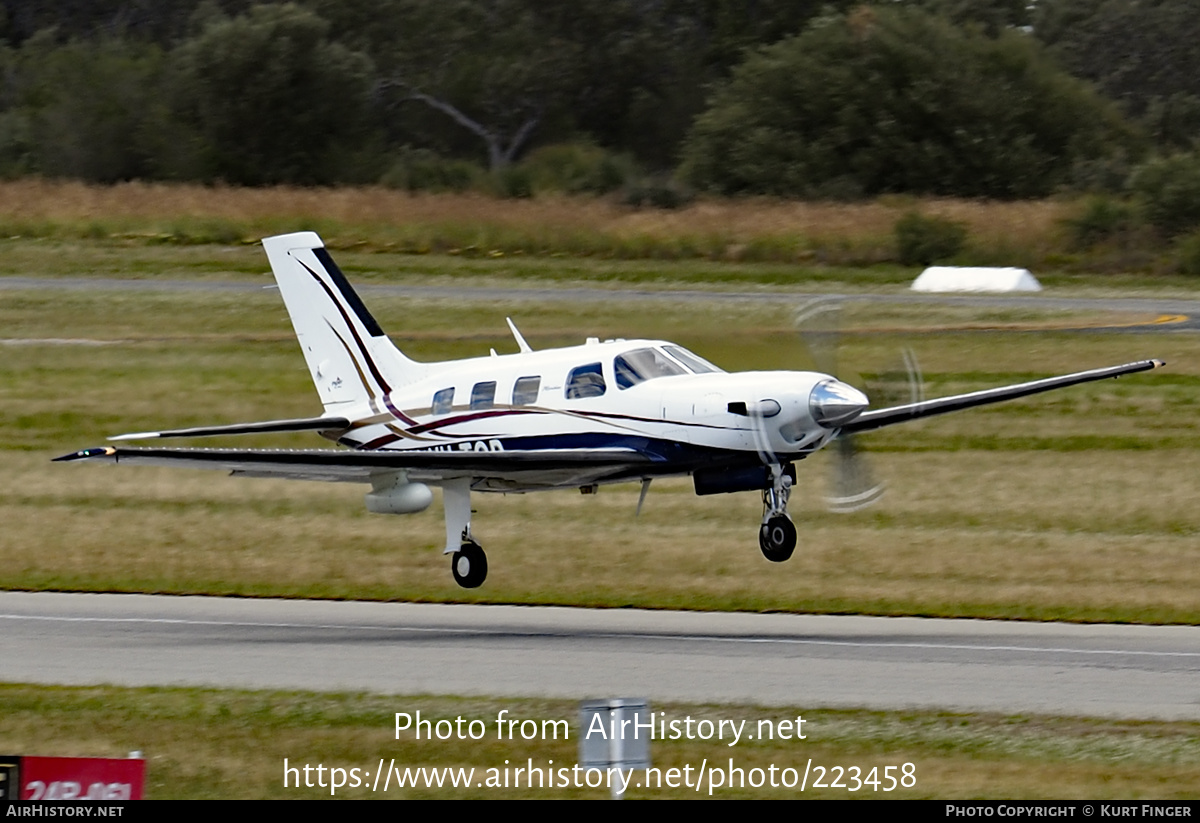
975	278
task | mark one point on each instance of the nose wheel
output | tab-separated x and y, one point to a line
777	538
777	535
469	565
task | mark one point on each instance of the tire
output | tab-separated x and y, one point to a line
777	538
469	566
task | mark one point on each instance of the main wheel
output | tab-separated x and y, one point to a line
777	538
469	565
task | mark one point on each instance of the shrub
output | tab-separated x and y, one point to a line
657	192
1187	254
425	170
1102	219
925	240
1107	174
1170	191
577	168
512	181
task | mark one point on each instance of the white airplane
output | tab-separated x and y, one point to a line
616	411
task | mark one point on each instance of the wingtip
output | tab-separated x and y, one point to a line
85	454
135	436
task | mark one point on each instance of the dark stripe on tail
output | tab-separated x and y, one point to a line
350	295
383	384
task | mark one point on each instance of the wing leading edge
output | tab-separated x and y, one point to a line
359	466
878	418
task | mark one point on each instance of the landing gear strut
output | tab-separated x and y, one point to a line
469	565
777	535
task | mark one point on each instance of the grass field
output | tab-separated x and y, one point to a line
231	744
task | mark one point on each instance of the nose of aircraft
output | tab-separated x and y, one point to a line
833	403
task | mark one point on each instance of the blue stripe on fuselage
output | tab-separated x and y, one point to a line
665	453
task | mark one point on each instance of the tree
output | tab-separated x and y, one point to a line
895	100
989	16
158	21
496	68
85	109
1140	53
506	74
270	97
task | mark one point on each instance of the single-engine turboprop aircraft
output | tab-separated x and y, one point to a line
616	411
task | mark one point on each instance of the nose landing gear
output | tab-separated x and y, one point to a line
777	535
777	538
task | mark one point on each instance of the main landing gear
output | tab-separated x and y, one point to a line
777	535
469	565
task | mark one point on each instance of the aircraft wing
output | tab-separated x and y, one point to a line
878	418
359	466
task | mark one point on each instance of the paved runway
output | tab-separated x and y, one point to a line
804	661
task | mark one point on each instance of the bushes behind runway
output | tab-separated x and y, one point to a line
1078	236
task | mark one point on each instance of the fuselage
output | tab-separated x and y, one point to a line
648	396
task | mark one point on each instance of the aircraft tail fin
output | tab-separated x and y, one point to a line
349	357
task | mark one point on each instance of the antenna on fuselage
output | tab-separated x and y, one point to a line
521	344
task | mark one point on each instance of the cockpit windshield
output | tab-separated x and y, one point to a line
639	365
696	363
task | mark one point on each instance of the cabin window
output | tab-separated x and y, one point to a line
483	396
525	390
640	365
585	381
695	362
443	401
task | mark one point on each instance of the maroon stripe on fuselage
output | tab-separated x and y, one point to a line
399	415
379	442
467	418
658	420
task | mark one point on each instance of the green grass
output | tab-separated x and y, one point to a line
231	744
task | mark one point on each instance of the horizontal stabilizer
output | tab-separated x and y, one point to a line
877	419
266	426
359	466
